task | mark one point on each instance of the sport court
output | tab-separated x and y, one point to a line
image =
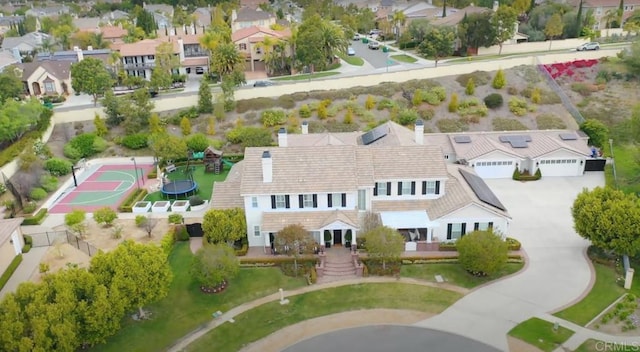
104	186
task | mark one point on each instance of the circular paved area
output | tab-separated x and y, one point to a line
384	338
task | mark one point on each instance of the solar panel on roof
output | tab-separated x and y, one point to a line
462	139
518	143
481	190
374	135
568	136
504	139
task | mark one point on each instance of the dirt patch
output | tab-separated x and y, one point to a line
312	327
58	257
517	345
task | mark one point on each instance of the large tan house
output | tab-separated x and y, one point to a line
248	40
11	241
47	77
247	17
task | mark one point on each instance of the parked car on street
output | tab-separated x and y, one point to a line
350	51
356	36
589	46
263	84
373	45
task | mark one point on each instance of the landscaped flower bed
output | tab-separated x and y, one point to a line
180	205
568	68
141	207
160	206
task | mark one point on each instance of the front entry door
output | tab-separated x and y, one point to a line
337	237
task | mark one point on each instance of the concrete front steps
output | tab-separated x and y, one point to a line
338	266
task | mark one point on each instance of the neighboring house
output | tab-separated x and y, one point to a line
138	59
26	44
11	241
75	55
253	4
88	24
162	20
166	10
192	55
6	22
246	17
112	16
47	77
113	34
248	42
8	58
50	11
602	7
455	16
202	16
498	154
327	182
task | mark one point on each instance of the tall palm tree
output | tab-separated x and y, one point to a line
290	42
267	45
115	60
333	39
399	19
98	42
225	59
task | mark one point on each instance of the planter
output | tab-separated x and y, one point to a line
347	238
161	206
202	206
141	207
180	206
327	245
347	244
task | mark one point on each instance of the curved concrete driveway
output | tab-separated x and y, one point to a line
557	272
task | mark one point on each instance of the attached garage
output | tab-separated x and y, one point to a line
494	168
561	167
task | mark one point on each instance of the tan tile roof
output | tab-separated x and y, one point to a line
249	31
144	47
113	32
195	61
246	14
227	194
310	220
396	135
58	69
455	18
7	226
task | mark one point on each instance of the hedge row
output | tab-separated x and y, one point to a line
512	258
36	219
127	205
275	261
28	243
10	270
514	245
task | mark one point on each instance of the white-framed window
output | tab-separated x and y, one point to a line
362	199
258	50
254	202
242	46
430	187
281	202
406	187
336	199
558	161
307	200
382	188
151	57
256	231
456	230
49	87
482	226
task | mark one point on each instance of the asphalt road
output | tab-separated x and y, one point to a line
385	338
376	58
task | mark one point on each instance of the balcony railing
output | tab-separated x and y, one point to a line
139	65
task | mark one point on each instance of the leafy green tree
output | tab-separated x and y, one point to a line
105	216
139	272
90	76
438	43
213	264
205	100
418	29
482	252
597	131
475	30
11	86
100	126
63	34
294	240
185	126
197	142
499	81
166	146
16	118
75	220
146	22
226	59
155	124
384	243
554	28
136	109
504	24
224	226
610	219
309	50
111	109
166	62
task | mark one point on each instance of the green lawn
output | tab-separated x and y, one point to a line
259	322
185	308
604	292
540	333
204	180
306	76
592	345
627	167
352	60
404	58
453	273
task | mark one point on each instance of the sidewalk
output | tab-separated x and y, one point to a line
30	263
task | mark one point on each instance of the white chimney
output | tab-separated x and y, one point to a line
496	4
181	49
419	130
267	167
305	127
282	137
78	53
89	48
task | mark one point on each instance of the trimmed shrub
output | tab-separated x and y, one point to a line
29	207
58	167
536	98
453	104
195	201
470	88
493	101
518	106
175	219
105	215
426	113
70	152
198	142
49	183
181	233
440	92
250	136
140	220
431	98
37	194
407	117
135	141
84	144
499	81
135	196
270	118
482	253
472	107
514	245
370	103
386	104
304	112
167	241
10	270
36	219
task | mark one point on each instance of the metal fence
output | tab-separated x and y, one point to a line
566	102
51	238
81	244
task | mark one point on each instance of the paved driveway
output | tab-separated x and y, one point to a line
557	272
376	58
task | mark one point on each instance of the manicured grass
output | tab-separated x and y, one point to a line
352	60
185	308
306	76
604	292
540	333
204	179
627	167
268	318
454	273
592	345
404	58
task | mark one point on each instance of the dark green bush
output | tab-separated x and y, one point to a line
195	201
10	270
493	100
49	183
175	219
197	142
181	233
86	144
70	152
36	219
135	141
58	167
26	248
407	117
37	194
251	136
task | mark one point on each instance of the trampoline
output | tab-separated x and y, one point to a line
179	188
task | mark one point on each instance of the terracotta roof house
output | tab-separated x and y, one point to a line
456	15
114	34
246	17
329	182
11	241
47	77
248	39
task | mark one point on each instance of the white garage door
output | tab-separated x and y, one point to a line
494	169
560	167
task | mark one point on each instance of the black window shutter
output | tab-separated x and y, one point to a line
413	187
286	202
315	200
399	188
329	200
476	226
344	200
388	188
300	201
424	187
490	225
437	187
449	229
464	229
273	202
375	189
